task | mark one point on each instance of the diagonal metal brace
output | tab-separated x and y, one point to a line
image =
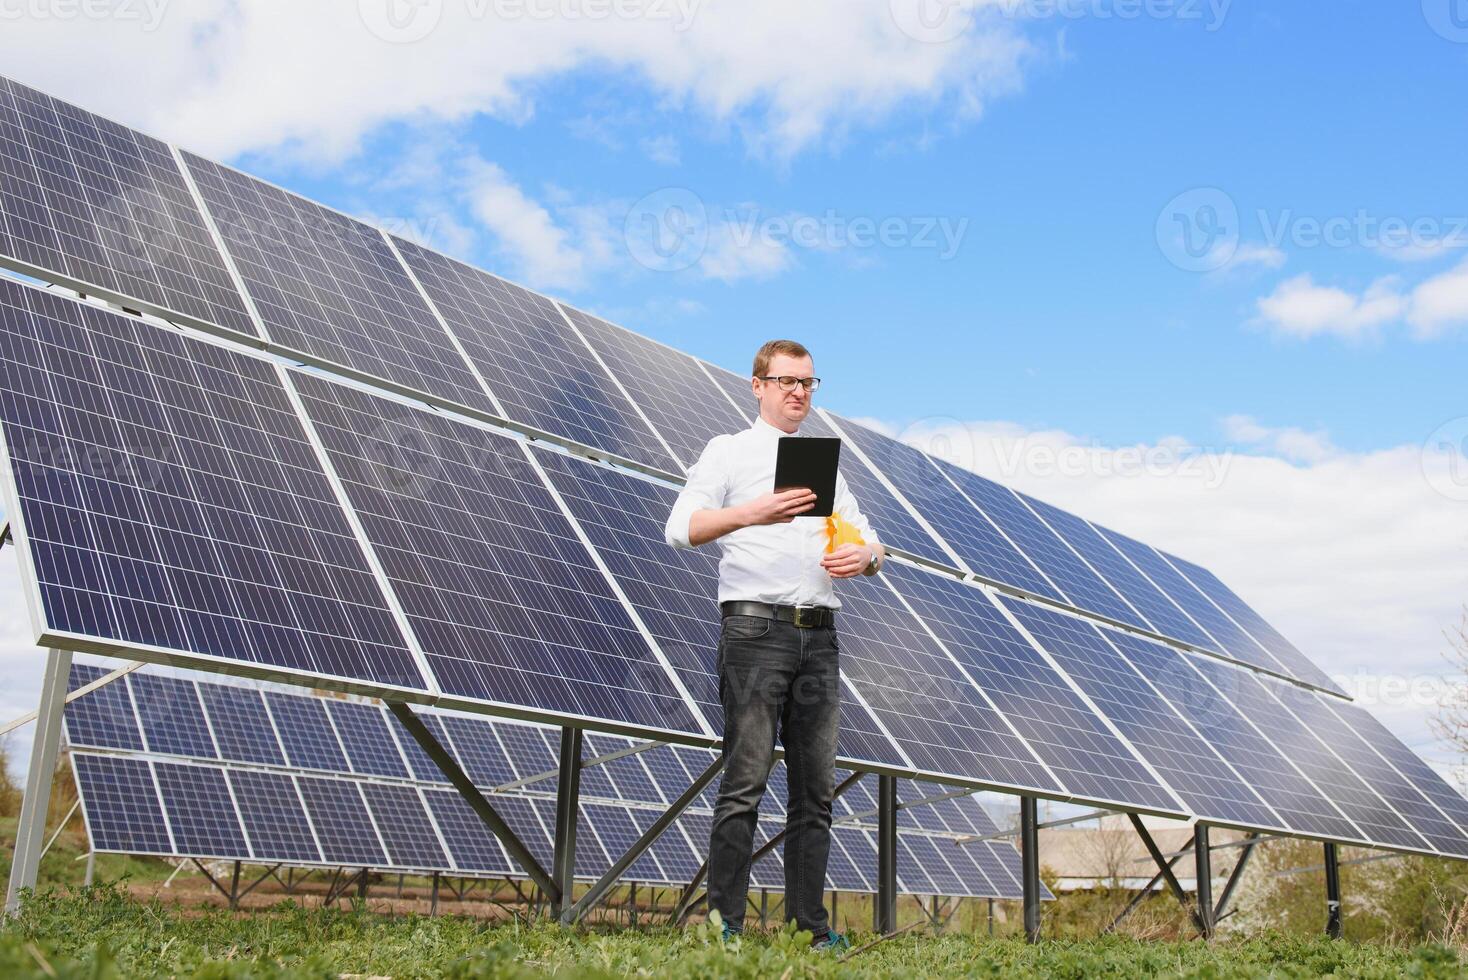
449	766
4	534
1166	869
1141	896
662	823
1235	876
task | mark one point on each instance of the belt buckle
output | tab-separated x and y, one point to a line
806	617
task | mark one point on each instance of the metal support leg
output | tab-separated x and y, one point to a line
449	766
30	830
884	909
1029	859
234	887
1141	896
362	885
1166	869
1332	892
433	897
632	905
1203	863
91	868
991	917
568	807
835	922
764	908
1234	876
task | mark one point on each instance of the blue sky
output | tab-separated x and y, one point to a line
1285	411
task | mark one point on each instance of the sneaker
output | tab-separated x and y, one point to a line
726	933
833	941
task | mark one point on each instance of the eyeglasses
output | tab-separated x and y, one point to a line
788	383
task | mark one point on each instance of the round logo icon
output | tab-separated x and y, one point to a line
1445	459
1198	231
667	230
932	21
400	21
942	437
1449	18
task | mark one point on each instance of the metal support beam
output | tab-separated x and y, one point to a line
1166	869
884	908
1141	896
568	807
1203	876
1332	892
4	534
1234	876
446	763
433	897
30	829
662	823
1029	859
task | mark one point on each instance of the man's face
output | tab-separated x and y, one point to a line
785	409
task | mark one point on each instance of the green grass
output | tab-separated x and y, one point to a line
102	932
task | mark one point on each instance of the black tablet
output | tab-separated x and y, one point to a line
809	463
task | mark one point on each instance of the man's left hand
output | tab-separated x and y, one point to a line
847	561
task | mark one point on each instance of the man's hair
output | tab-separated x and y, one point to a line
767	352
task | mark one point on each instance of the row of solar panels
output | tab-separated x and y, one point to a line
209	770
179	498
112	211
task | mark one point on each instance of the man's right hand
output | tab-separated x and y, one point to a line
778	508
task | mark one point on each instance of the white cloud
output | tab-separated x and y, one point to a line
662	149
1440	304
524	228
1353	556
1246	256
226	78
1300	308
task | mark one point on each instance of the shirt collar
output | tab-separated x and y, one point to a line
766	429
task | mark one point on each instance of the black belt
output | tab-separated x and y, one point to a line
804	617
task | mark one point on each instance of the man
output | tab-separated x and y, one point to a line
777	648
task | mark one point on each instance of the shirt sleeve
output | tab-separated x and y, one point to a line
847	507
706	489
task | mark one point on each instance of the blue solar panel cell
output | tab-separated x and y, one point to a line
1204	781
104	718
1080	751
479	751
275	821
369	745
524	819
343	827
629	779
240	724
617	832
530	755
536	365
201	811
172	717
331	288
123	813
169	498
470	842
978	542
406	829
504	599
684	406
104	206
306	734
419	763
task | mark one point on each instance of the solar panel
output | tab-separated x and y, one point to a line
1076	582
502	596
343	828
169	501
541	373
923	698
1204	781
1294	663
172	717
406	829
1257	760
1080	751
978	542
128	816
329	287
201	812
470	842
240	724
105	208
684	405
306	733
477	748
1378	824
1160	612
274	818
370	747
103	718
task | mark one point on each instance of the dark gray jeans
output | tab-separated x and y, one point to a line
776	678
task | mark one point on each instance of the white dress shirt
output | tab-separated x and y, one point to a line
775	563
